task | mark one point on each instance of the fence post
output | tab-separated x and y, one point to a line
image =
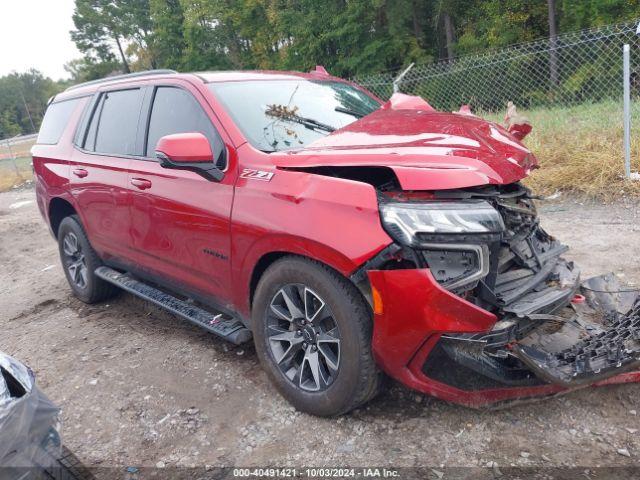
13	159
626	72
398	79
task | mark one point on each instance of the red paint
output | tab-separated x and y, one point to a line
520	130
577	298
417	311
209	236
320	70
427	150
401	101
465	110
185	147
416	307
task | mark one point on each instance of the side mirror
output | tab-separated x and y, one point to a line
188	151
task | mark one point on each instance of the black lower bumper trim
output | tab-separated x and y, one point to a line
463	364
602	355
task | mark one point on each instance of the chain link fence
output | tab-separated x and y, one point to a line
571	89
573	68
15	161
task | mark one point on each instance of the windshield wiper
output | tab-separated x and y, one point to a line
348	111
310	123
286	112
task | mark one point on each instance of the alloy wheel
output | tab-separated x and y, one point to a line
303	337
74	260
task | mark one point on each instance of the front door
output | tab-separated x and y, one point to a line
179	220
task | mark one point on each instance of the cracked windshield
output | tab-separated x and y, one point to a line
288	114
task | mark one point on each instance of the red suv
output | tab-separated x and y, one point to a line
348	237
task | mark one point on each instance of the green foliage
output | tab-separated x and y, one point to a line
24	95
167	20
349	37
88	68
127	24
579	14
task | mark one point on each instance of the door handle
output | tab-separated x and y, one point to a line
141	183
80	172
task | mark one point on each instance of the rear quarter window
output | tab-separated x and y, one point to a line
55	120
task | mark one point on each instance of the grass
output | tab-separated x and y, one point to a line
22	149
14	173
580	150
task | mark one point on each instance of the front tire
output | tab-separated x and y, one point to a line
80	261
312	331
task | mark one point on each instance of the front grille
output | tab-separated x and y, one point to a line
522	264
457	266
449	266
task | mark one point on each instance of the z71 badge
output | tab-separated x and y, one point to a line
256	174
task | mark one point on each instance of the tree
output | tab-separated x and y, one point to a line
99	26
87	68
579	14
209	42
138	31
23	101
126	25
349	37
167	20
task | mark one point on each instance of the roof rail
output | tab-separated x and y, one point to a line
122	77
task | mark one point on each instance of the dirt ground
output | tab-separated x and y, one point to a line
140	387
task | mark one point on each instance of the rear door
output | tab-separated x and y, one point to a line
52	151
180	220
99	169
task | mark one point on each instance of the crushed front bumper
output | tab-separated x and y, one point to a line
440	344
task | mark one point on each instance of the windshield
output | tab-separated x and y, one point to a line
278	115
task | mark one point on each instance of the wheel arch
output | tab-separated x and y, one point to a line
59	209
260	267
260	260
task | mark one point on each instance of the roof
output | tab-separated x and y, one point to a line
206	77
248	75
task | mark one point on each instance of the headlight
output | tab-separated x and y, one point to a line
406	221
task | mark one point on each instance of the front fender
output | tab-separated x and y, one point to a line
331	220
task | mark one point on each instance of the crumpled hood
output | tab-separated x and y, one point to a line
427	150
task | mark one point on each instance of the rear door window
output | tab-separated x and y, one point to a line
55	121
177	111
114	124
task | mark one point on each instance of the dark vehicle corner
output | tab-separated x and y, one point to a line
30	442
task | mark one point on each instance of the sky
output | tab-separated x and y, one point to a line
35	34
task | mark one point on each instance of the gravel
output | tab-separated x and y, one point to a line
140	387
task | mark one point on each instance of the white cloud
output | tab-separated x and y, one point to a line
35	34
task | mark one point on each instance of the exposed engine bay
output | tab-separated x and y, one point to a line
551	326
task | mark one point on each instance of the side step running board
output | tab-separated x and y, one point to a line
220	324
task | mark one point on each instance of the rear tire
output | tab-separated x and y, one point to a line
79	261
318	353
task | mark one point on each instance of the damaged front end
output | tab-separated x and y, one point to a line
489	308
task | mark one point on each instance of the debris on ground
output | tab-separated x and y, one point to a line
168	392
